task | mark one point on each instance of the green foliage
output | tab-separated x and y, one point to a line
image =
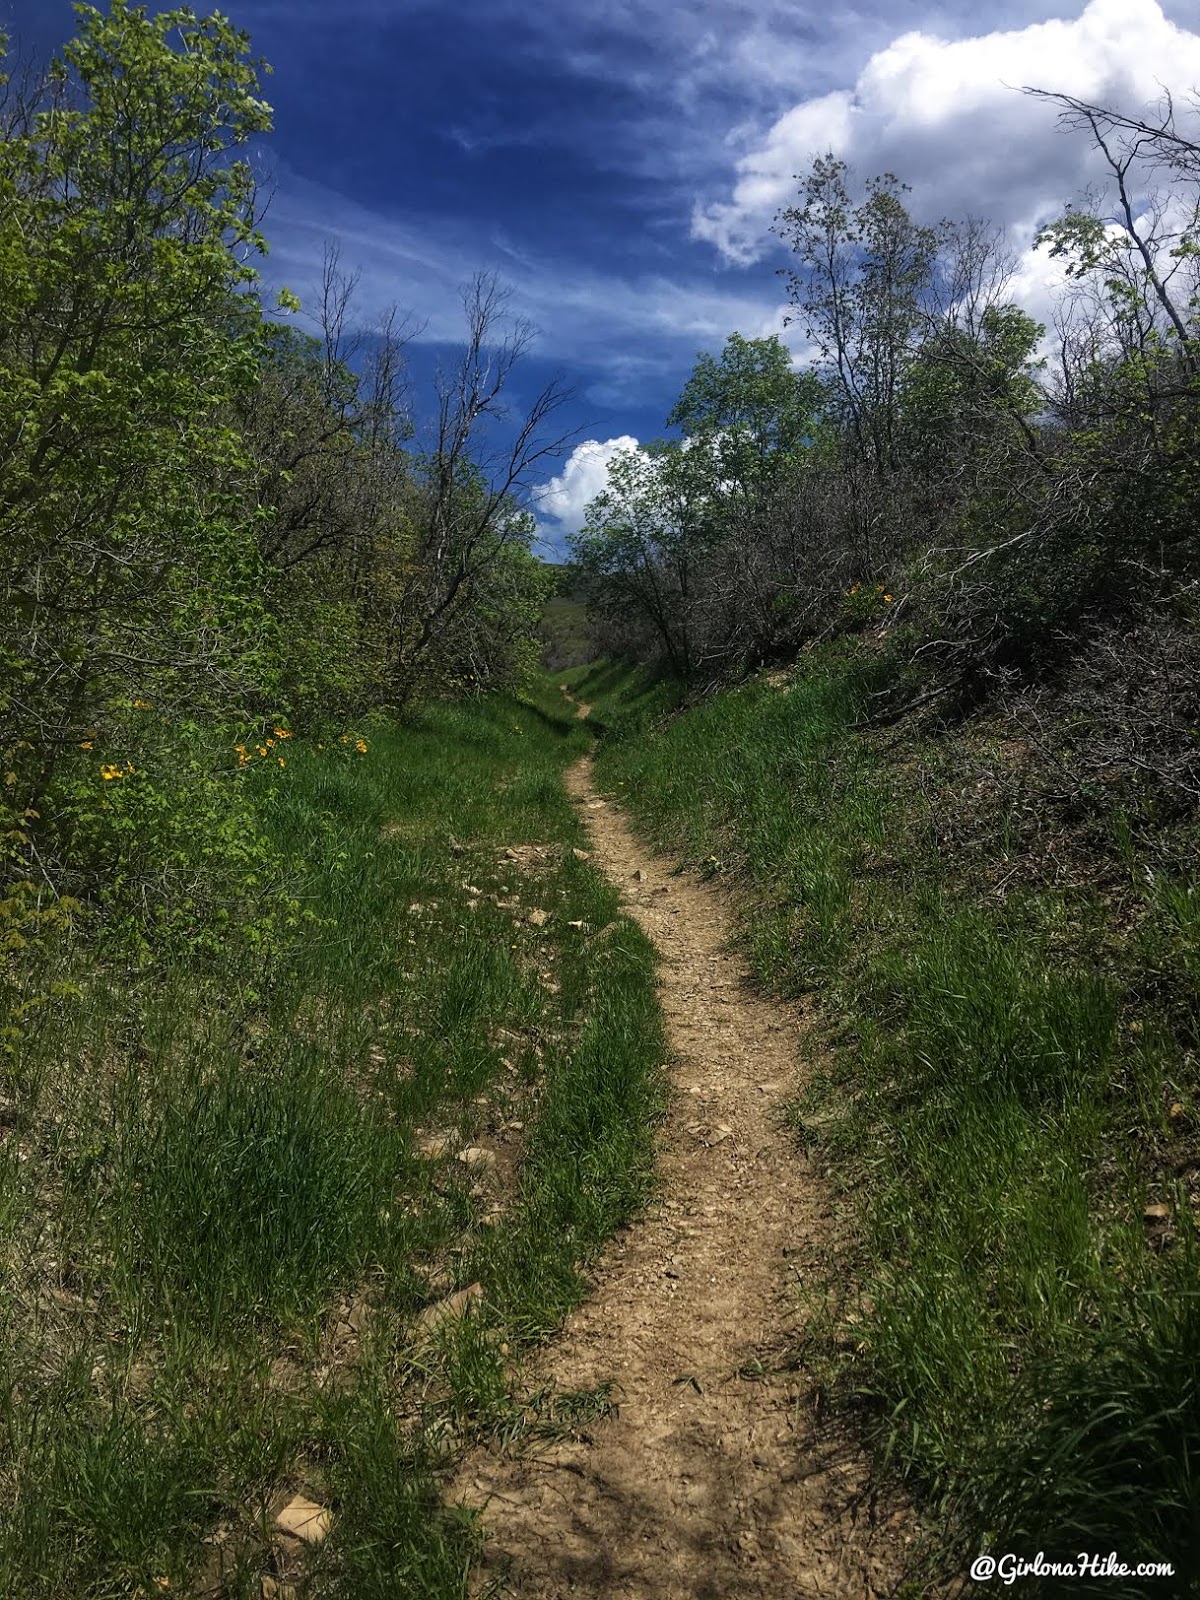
642	541
750	415
1021	505
672	529
203	510
127	329
495	644
863	283
171	848
964	389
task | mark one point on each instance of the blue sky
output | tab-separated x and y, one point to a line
619	164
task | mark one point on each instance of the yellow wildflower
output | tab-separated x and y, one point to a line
143	705
361	746
282	762
283	733
888	598
109	772
86	745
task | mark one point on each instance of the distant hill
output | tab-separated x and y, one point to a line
567	635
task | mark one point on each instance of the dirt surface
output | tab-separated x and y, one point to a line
582	710
713	1478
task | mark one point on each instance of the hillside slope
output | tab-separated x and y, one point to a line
1006	959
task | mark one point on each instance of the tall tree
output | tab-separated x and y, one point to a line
128	324
863	290
471	468
752	414
641	549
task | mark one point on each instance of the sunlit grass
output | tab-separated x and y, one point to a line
209	1170
1014	1345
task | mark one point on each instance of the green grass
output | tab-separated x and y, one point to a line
624	698
567	633
229	1191
996	1103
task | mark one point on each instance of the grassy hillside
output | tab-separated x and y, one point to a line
1006	964
235	1201
566	629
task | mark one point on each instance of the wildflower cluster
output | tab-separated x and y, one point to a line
114	771
869	593
244	754
865	603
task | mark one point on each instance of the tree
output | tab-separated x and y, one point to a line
469	472
128	326
1130	384
327	427
689	552
640	549
971	395
864	291
1147	249
750	421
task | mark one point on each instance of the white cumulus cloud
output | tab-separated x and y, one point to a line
561	502
945	115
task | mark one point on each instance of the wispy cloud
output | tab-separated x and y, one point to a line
619	326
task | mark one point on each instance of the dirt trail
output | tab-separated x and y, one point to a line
581	709
713	1479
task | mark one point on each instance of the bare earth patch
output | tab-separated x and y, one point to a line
713	1478
582	710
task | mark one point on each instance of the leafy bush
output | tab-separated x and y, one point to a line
169	847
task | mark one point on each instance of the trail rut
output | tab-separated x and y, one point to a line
714	1478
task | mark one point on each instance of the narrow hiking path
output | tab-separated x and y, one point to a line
712	1478
582	710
